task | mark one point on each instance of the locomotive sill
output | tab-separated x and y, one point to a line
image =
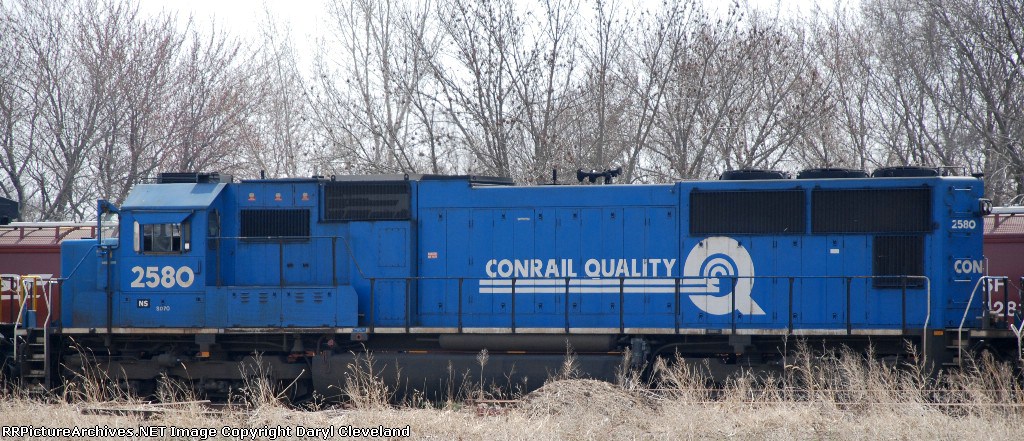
554	331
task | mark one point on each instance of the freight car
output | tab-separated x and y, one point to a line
206	278
29	279
1004	248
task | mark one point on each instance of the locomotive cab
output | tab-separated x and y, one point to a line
161	271
184	261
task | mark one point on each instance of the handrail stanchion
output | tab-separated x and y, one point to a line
566	305
1006	301
732	295
676	315
927	315
790	315
849	314
334	260
460	305
280	261
622	312
408	305
373	282
903	313
217	260
513	302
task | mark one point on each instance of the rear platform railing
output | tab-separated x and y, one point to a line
29	293
27	287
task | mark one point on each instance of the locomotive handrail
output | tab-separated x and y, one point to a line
23	283
73	270
676	284
1018	325
48	292
967	309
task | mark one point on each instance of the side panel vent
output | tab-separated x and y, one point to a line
258	223
747	212
898	256
900	210
367	201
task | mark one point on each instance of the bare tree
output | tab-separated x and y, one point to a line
19	113
698	99
135	138
840	42
217	88
647	75
546	86
278	137
70	65
987	41
370	103
477	79
779	97
601	94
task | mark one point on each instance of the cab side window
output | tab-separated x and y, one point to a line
164	238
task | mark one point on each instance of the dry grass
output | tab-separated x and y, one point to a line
836	395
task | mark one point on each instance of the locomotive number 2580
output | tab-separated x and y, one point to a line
963	224
167	277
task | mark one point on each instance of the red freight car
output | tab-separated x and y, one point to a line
1004	252
33	249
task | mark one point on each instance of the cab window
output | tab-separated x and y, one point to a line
163	238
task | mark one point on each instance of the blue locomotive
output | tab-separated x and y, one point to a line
426	271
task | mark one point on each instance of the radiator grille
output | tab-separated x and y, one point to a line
898	256
902	210
260	223
363	201
747	212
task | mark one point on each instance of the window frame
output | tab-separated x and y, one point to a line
184	236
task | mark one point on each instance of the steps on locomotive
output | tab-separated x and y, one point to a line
956	346
34	367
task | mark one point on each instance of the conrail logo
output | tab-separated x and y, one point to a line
715	268
717	274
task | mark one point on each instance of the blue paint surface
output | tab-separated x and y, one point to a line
544	257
